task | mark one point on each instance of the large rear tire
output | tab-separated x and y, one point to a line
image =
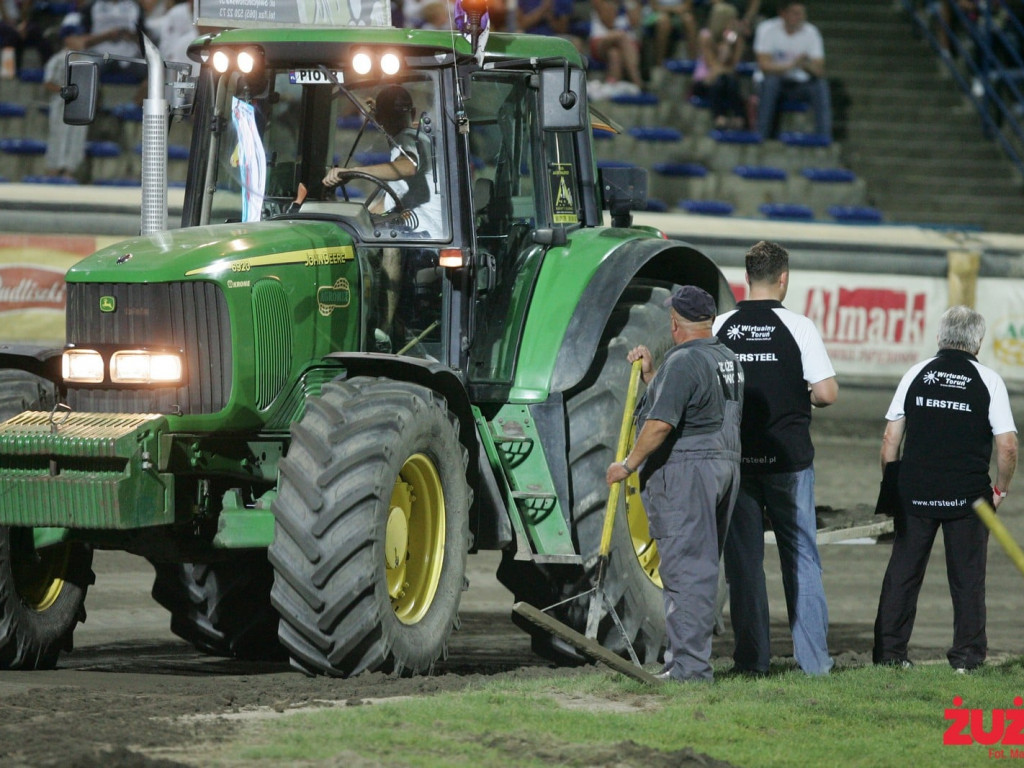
42	593
371	530
631	581
222	609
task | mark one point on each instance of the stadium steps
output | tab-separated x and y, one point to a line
911	136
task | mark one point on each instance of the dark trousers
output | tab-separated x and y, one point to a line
966	544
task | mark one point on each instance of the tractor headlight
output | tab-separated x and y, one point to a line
83	366
142	367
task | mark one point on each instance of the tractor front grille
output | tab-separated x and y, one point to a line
192	316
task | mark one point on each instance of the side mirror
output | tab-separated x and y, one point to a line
623	190
80	93
562	93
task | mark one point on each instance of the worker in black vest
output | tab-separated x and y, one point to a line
787	371
688	452
945	413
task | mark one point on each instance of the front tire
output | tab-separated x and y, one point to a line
371	530
222	609
631	581
42	593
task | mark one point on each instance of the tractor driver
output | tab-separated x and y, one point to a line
410	171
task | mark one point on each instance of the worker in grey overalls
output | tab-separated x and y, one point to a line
688	453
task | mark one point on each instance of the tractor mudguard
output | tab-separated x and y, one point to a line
38	359
488	519
670	261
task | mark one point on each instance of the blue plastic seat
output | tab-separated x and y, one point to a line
59	180
10	109
736	137
799	139
759	173
855	214
30	75
23	146
102	149
120	78
655	133
829	175
600	134
637	99
128	112
372	158
118	182
707	207
177	152
655	205
350	122
615	164
680	66
691	170
787	211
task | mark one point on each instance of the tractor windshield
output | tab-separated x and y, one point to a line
365	152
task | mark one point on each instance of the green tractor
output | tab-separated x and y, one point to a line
312	401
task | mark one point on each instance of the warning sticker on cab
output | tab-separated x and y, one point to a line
564	204
314	77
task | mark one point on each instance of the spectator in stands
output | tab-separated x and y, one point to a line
547	17
791	58
113	27
721	47
428	14
19	31
667	22
65	144
613	41
173	31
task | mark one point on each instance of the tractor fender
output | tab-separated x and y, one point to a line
670	261
487	506
41	360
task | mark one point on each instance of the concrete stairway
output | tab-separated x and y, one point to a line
911	135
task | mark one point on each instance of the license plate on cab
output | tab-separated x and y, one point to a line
313	77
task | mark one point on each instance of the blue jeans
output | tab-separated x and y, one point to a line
788	500
815	91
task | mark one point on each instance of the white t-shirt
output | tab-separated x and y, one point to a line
771	39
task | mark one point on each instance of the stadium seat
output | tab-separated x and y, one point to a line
855	214
648	144
58	180
105	159
655	205
823	188
787	211
680	181
729	149
21	157
750	186
707	207
12	119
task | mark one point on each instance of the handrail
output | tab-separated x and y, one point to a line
985	68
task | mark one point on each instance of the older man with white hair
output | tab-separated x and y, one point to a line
945	413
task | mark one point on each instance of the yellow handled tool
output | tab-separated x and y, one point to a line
621	450
988	516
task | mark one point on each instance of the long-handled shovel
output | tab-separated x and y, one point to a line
588	643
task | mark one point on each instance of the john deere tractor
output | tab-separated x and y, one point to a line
309	404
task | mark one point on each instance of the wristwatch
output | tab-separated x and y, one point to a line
625	466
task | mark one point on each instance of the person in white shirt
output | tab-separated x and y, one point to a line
791	59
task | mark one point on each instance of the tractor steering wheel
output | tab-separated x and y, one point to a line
382	186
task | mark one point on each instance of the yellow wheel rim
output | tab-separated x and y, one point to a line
414	539
39	577
645	547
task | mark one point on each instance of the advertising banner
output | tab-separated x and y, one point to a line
32	292
293	13
872	325
1001	301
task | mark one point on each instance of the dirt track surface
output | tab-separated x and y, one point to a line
125	694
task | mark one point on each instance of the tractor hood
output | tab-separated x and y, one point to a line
210	251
